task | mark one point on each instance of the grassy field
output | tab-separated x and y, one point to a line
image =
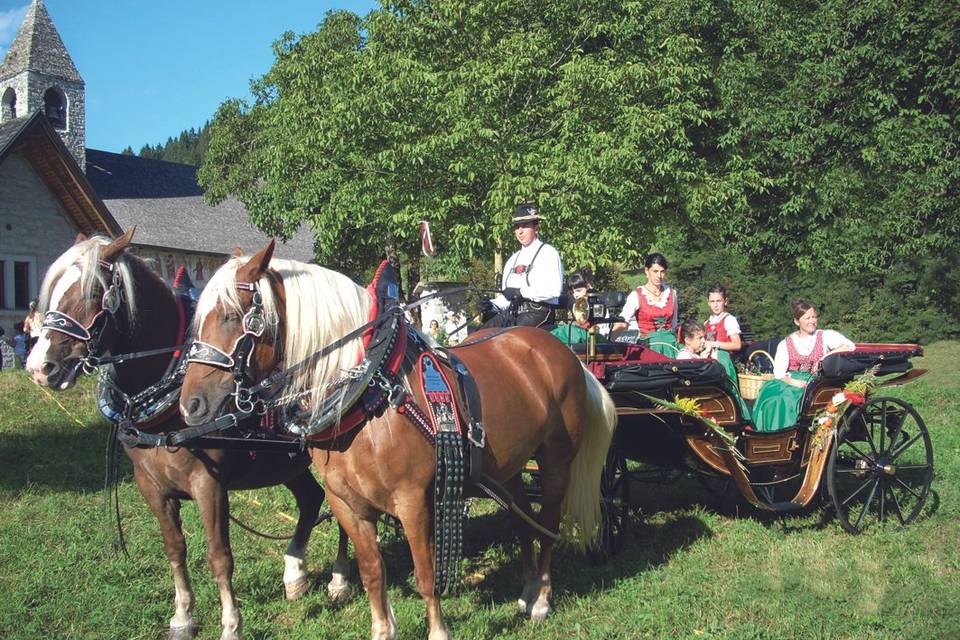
694	566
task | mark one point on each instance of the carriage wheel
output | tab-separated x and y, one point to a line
614	503
881	465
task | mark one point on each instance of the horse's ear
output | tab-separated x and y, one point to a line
257	265
110	252
81	237
237	252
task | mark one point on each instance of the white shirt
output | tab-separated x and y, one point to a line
832	340
730	324
545	276
683	354
632	305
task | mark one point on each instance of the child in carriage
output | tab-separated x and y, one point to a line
722	328
694	341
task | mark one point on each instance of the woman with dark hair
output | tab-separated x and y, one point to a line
579	284
794	365
652	308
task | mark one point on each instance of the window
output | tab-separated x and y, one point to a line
17	281
55	107
21	285
9	104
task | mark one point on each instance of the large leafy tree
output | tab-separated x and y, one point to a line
807	135
849	111
453	111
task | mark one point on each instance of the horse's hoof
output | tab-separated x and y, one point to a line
187	632
293	590
540	612
338	590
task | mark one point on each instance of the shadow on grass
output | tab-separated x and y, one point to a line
56	457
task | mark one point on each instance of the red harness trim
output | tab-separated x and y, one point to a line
362	410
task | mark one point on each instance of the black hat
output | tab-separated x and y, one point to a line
526	212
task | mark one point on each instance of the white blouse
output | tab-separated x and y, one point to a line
832	340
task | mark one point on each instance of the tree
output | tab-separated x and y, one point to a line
453	111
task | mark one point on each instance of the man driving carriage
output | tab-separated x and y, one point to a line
532	277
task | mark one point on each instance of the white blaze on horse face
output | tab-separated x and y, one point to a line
39	352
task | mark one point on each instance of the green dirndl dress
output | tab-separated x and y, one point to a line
664	342
734	387
778	405
571	334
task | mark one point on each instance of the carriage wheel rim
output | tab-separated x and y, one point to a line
881	465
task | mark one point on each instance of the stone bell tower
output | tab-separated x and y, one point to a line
38	73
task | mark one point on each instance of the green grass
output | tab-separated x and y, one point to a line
691	568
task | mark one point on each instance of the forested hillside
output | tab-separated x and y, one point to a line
186	148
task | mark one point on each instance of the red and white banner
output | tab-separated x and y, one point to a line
426	242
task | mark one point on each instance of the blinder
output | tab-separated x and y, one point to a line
92	332
238	360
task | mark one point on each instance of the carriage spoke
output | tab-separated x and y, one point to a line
883	424
913	467
855	493
906	445
883	498
862	455
896	504
869	438
866	505
907	487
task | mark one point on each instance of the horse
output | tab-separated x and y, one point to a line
537	401
106	299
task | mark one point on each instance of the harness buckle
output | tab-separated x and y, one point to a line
476	434
244	399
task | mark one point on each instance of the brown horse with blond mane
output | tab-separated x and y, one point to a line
537	401
74	293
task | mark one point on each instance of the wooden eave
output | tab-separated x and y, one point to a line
40	144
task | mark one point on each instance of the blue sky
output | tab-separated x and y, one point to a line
154	68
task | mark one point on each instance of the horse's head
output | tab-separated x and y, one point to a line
237	328
81	299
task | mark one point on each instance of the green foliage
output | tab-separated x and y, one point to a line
453	111
187	148
914	301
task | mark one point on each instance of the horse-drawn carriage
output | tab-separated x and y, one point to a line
311	343
866	455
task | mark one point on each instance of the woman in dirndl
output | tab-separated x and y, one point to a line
652	308
794	365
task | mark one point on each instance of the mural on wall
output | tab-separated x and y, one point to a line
165	264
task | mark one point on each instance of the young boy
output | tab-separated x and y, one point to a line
20	341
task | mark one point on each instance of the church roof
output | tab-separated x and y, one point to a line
38	47
35	139
166	204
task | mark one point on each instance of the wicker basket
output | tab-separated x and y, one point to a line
750	383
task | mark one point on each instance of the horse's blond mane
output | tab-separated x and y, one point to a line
85	256
321	306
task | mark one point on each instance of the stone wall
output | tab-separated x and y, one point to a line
30	88
33	227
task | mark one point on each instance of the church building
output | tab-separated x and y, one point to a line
52	186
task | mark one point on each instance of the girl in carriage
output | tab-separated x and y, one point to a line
653	308
794	365
722	330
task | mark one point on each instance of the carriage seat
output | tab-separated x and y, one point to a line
661	373
890	358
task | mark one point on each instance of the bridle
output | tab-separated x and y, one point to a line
238	360
91	333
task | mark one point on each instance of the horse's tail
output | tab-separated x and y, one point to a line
581	504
